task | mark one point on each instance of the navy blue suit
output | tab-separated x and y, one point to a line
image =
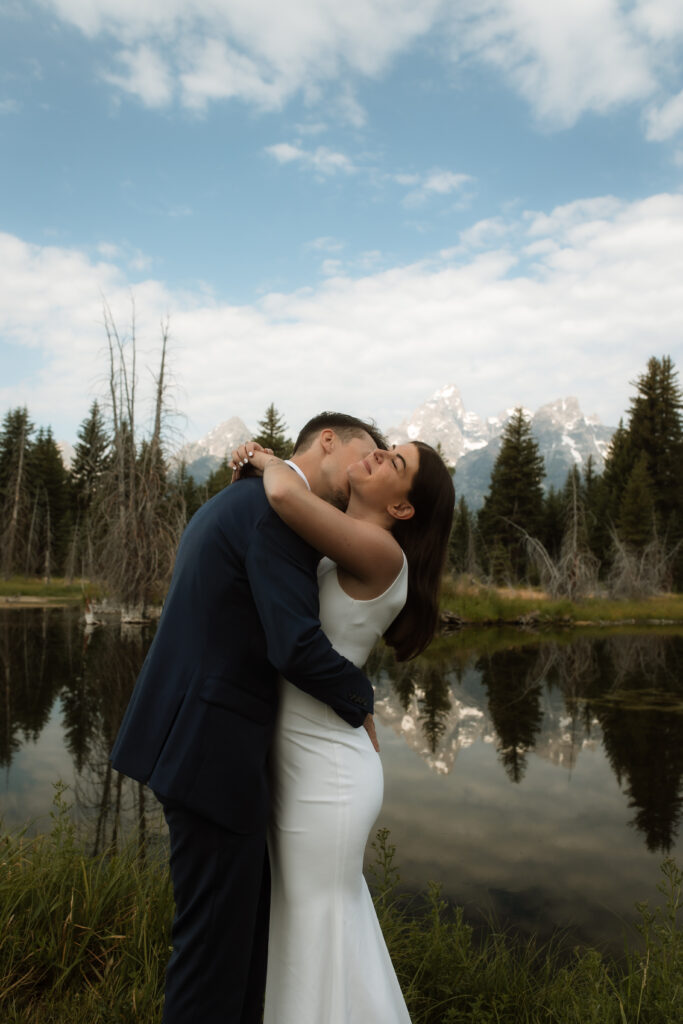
242	607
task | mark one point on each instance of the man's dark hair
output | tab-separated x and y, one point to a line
343	425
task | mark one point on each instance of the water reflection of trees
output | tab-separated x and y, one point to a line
628	688
549	697
427	679
36	659
47	654
93	704
514	687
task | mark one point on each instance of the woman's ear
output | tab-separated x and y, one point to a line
401	510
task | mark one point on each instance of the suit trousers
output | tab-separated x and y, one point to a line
221	885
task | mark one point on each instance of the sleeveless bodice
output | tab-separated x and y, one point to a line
353	626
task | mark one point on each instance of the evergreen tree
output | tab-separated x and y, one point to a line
554	515
654	433
460	542
592	486
222	476
193	494
91	458
637	508
49	528
515	498
272	433
15	494
656	430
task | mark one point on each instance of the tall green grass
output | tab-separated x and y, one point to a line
451	976
85	939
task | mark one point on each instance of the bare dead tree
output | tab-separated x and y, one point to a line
636	574
575	573
138	512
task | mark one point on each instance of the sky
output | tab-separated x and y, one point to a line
342	206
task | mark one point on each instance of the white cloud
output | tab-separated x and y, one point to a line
436	183
601	292
9	107
146	75
665	121
322	160
350	110
260	50
325	243
484	232
564	57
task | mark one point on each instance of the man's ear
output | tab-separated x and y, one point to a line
328	440
401	510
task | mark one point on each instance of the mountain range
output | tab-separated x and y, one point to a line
469	443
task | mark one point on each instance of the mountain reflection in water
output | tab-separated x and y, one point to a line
553	699
541	773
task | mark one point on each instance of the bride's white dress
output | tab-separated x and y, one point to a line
327	959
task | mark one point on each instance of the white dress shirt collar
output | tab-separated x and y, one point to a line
296	469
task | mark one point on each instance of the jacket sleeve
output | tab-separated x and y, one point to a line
281	569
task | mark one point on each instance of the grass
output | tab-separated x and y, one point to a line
85	939
484	605
57	591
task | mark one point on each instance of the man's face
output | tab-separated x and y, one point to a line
346	455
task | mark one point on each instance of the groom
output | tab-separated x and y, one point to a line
241	609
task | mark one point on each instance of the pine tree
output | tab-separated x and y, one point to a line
222	476
554	514
460	539
514	502
91	457
656	430
272	433
50	507
637	510
15	496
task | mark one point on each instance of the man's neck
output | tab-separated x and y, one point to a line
310	467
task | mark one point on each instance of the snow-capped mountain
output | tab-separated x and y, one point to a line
565	435
469	442
202	457
444	420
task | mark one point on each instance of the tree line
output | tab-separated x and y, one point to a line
117	513
621	530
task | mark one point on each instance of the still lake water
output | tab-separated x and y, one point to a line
536	776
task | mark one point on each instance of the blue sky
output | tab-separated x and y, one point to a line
340	208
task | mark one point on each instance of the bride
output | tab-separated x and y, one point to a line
327	960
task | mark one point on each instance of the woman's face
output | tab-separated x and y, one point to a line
384	478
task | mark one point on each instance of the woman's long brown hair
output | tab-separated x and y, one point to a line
424	539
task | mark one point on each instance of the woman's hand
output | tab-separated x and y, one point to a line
249	455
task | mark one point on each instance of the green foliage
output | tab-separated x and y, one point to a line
272	433
35	499
462	542
643	472
514	500
86	938
637	507
219	479
450	975
91	457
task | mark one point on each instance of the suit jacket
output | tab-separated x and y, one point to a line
242	607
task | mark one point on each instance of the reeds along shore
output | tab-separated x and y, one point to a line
86	938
